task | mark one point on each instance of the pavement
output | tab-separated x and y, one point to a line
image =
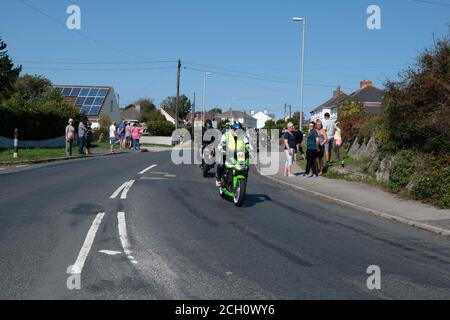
370	199
136	226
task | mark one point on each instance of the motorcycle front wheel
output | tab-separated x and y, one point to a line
239	195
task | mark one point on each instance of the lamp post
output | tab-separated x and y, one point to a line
302	85
204	96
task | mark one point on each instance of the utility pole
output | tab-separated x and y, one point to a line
178	97
193	117
285	111
290	111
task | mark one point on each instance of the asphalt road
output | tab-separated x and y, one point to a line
175	238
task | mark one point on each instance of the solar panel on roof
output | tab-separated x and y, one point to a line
85	110
66	92
93	92
95	110
103	92
89	101
75	92
99	101
84	92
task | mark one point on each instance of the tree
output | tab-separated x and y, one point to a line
216	111
8	74
146	104
416	108
270	125
153	115
161	128
350	109
32	86
184	106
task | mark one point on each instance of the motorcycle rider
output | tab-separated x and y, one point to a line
208	126
231	140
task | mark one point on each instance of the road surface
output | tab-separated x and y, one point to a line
136	226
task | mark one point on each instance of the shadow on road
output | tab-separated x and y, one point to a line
253	199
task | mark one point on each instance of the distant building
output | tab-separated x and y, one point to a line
92	101
368	94
246	120
261	118
132	114
198	118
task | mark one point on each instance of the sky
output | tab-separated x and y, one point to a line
252	47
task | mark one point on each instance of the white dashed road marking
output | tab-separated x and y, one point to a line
147	169
77	268
124	188
124	237
127	189
110	252
116	193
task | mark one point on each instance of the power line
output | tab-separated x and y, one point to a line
433	3
94	63
85	35
99	70
232	75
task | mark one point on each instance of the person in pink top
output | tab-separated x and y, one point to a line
323	140
136	134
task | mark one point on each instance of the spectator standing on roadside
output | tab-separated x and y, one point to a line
323	140
299	140
129	139
113	136
82	136
89	138
338	143
70	137
290	145
312	146
136	133
122	133
330	128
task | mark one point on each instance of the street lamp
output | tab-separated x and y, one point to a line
302	85
204	96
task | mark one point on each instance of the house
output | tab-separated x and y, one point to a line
246	120
132	114
92	101
198	119
330	106
369	95
261	118
170	116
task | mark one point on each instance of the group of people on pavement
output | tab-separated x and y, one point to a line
128	135
322	139
85	137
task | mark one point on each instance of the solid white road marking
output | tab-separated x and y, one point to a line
149	168
127	189
153	178
110	252
77	268
116	193
2	168
124	237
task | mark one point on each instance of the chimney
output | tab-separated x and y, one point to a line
337	92
252	112
138	108
365	83
265	111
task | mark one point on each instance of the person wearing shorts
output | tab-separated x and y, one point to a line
113	136
330	128
290	146
338	141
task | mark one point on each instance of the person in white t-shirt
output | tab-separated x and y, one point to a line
113	136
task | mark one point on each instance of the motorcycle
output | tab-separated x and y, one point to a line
235	177
208	161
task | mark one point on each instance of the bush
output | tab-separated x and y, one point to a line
434	187
161	128
416	114
402	169
39	118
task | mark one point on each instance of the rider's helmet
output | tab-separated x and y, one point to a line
208	124
236	126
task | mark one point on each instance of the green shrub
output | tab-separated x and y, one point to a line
402	169
161	128
41	117
434	187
